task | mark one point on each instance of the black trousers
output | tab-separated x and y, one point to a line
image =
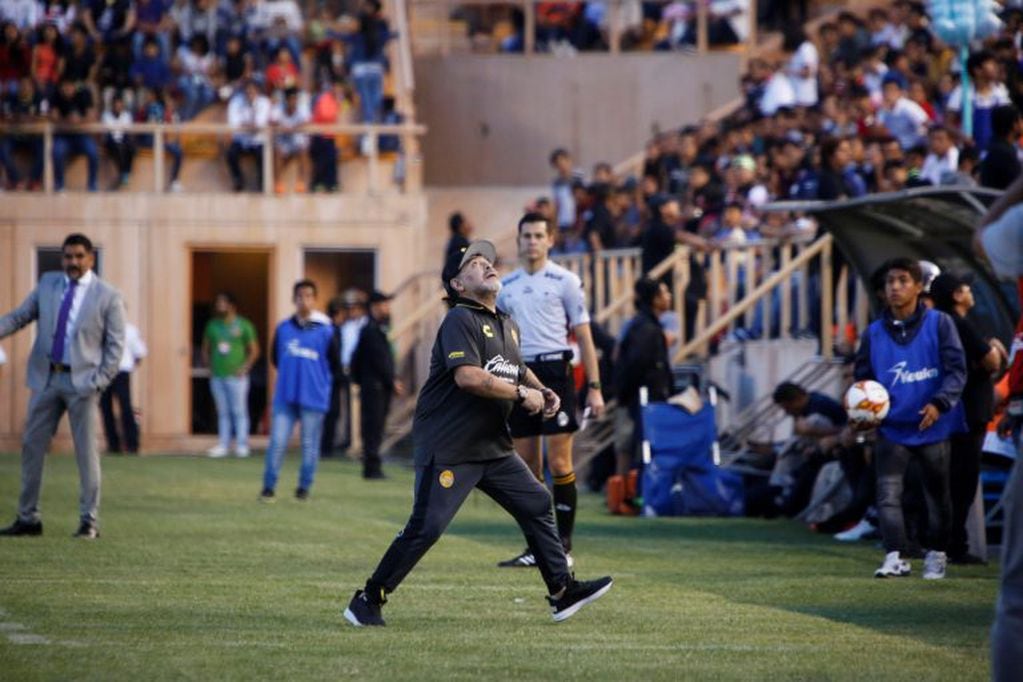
119	389
336	412
376	401
965	472
123	153
892	461
440	490
323	153
234	163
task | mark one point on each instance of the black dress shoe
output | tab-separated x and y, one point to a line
375	475
19	527
87	531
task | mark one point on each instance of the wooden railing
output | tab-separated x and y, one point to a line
528	8
159	131
762	289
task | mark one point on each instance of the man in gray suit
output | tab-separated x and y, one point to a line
79	340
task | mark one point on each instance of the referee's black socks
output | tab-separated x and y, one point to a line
565	497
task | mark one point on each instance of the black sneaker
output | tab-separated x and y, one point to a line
966	559
362	612
86	531
524	560
267	496
374	475
301	494
20	527
577	595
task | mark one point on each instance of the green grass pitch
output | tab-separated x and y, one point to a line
193	579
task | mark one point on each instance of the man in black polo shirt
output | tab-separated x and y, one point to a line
462	441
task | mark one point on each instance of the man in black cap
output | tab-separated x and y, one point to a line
952	294
462	441
373	369
461	231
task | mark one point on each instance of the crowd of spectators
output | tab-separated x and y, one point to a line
569	27
119	61
869	106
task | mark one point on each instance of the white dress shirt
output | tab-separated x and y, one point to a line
241	114
76	307
350	332
134	348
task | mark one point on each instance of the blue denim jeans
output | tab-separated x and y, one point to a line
231	395
284	418
198	94
369	84
66	146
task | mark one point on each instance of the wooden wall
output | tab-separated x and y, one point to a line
493	120
147	243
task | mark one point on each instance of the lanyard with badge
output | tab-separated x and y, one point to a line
234	330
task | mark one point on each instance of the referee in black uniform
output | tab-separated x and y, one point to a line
462	441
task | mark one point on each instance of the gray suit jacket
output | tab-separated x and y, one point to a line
97	337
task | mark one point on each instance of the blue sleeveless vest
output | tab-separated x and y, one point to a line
912	373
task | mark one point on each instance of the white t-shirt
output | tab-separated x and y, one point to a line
26	14
805	89
1003	243
241	112
995	97
906	121
196	65
134	348
300	116
778	93
936	167
124	119
545	305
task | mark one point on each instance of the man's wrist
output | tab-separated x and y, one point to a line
594	385
522	392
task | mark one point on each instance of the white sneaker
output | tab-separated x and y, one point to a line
857	532
893	567
217	452
242	451
569	560
176	187
934	565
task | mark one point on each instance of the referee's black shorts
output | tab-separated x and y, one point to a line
557	376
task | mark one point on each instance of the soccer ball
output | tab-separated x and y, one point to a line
867	402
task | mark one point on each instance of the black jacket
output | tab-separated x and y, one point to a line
373	361
643	361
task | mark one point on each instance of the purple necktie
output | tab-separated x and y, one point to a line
57	354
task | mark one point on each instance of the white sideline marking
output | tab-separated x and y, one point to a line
27	639
16	632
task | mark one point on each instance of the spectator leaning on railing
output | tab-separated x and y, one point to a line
289	144
248	112
70	106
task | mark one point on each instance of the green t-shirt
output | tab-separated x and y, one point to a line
228	343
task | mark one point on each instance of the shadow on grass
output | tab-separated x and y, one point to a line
935	614
740	531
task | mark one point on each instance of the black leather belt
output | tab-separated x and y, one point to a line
552	357
57	368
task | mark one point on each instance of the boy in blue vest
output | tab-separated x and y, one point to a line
915	353
306	356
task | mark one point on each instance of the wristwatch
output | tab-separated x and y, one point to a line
594	385
523	392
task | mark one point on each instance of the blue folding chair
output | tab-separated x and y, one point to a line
680	475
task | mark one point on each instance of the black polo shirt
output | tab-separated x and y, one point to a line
453	426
